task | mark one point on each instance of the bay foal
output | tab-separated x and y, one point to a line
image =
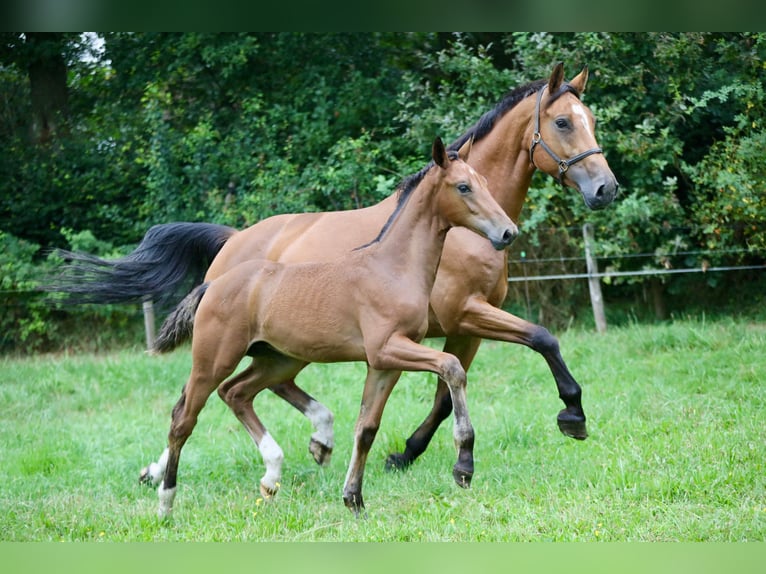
370	304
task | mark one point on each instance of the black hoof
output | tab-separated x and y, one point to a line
354	503
572	425
397	461
320	452
462	477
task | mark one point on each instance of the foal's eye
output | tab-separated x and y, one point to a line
463	188
562	123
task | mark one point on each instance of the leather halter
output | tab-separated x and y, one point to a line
537	138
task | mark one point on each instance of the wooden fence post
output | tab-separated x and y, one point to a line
149	322
594	283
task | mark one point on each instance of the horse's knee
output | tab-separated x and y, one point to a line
543	342
453	372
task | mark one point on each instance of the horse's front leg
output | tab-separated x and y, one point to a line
377	389
403	354
464	348
323	439
480	319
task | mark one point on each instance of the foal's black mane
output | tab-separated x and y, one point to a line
478	131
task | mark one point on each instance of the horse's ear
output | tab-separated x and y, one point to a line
465	149
439	154
580	80
557	76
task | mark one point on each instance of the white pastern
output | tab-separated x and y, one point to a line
322	420
157	469
166	501
272	458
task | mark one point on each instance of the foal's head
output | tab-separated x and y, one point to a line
464	198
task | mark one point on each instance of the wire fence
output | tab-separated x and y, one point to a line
590	262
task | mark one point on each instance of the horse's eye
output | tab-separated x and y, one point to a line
562	123
463	188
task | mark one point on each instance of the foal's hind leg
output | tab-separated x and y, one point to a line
323	440
238	393
184	419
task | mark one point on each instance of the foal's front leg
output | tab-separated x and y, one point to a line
377	389
401	353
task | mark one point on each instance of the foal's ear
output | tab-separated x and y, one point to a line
439	154
465	149
557	76
580	80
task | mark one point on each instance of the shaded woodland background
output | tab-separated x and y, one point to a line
107	134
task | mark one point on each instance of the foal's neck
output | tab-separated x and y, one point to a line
414	240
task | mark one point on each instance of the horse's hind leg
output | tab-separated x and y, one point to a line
238	393
323	440
184	419
214	358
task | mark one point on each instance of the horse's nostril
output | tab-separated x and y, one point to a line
600	192
509	236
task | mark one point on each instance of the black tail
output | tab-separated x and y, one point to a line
179	325
170	260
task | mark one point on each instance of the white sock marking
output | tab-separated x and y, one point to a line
272	458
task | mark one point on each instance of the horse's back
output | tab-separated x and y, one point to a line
303	237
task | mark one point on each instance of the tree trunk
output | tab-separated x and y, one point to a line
47	71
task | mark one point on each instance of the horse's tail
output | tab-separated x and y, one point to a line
170	260
179	324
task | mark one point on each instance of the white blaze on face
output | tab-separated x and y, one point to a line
579	111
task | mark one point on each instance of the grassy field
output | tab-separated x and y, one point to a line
676	452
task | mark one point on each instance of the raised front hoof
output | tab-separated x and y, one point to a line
321	452
354	503
571	425
462	476
397	461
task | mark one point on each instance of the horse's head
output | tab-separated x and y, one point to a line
465	199
564	143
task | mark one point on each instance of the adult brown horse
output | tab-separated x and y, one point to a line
370	304
542	125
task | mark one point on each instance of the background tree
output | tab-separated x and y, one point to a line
104	136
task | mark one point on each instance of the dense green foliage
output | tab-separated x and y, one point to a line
232	128
675	453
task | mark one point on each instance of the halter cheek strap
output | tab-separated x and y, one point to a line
537	138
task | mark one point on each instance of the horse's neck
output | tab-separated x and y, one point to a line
502	156
414	242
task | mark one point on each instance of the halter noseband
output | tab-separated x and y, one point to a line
537	138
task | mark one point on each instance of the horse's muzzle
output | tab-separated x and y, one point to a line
508	237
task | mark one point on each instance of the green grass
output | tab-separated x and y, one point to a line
676	452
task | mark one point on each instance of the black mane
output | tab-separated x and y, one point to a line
478	131
404	190
486	122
